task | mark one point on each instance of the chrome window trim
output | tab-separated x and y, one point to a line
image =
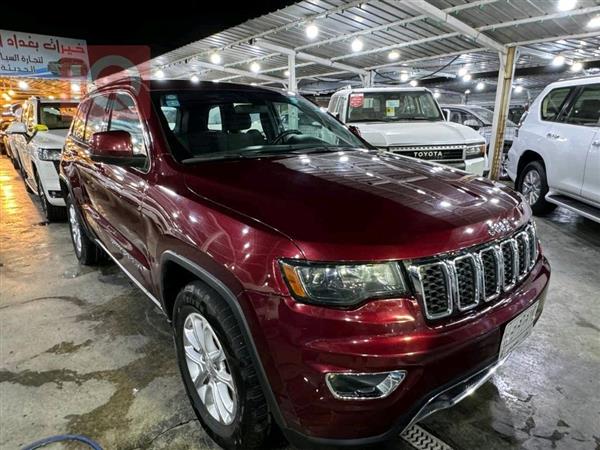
415	274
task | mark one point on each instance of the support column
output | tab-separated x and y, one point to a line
292	72
501	105
367	78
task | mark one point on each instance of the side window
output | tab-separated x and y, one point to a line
78	127
585	110
553	103
214	119
97	119
125	117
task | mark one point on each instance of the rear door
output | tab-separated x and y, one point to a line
571	138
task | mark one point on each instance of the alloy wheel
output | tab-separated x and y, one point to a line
532	186
208	369
75	229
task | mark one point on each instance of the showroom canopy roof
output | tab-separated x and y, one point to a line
427	38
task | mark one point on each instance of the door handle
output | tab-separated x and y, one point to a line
596	143
553	136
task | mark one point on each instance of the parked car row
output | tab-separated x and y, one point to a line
34	143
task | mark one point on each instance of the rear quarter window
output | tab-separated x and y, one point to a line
553	103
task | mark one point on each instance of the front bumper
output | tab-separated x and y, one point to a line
300	343
48	173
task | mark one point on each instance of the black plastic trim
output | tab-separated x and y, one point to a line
232	301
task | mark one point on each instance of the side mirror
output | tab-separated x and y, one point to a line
115	147
40	127
17	128
446	113
472	123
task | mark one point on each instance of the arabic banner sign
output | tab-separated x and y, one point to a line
35	55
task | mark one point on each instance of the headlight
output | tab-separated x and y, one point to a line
473	151
342	284
49	154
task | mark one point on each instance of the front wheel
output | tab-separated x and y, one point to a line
217	370
86	251
533	184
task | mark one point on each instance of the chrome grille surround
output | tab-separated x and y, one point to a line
504	263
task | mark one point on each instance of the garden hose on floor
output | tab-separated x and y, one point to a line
62	438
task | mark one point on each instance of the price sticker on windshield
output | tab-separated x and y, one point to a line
357	100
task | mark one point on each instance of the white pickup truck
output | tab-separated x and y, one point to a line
409	121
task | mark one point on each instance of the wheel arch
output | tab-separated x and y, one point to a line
184	271
527	157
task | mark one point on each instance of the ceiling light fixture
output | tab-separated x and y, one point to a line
357	45
215	58
576	67
159	74
558	60
312	31
467	78
23	85
518	89
594	22
480	86
255	67
468	91
194	78
393	55
566	5
462	71
414	83
404	77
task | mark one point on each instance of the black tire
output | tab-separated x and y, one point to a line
15	162
252	422
536	169
53	213
88	253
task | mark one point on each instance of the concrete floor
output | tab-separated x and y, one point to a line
83	351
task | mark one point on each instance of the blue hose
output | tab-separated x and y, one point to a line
62	438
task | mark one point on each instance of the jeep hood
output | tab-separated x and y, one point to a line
385	134
360	205
50	138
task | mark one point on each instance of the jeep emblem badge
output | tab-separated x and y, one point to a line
499	227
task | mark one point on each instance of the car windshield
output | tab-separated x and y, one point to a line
392	106
57	116
203	124
487	116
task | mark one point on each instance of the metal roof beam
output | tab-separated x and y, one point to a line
308	57
452	22
243	73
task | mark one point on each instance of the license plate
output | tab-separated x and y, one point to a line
517	330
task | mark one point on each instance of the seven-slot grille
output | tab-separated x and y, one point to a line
479	275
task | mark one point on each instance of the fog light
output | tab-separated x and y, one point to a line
364	386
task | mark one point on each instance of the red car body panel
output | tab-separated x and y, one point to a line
236	219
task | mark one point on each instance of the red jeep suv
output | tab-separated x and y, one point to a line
314	284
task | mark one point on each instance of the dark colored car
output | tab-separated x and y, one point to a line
314	284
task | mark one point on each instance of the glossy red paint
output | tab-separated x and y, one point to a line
111	143
236	219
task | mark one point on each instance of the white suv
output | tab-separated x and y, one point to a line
409	122
38	141
555	159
